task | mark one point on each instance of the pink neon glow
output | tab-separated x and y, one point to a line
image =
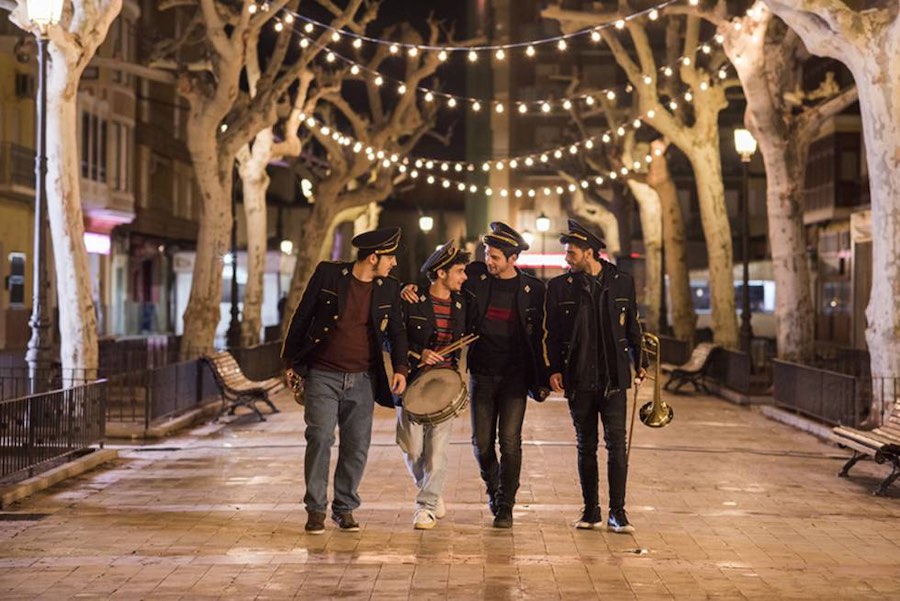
98	244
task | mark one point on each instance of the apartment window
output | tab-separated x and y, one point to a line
85	144
94	144
15	283
121	165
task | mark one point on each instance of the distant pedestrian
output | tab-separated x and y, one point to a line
348	313
592	336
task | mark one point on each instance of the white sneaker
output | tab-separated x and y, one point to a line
440	510
424	519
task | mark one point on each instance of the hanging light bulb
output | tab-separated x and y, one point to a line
279	26
673	105
598	180
513	164
560	189
562	45
523	108
354	70
595	36
573	149
546	191
544	158
330	57
529	162
473	188
545	107
606	138
429	97
458	167
379	80
589	144
451	102
589	101
572	187
654	15
637	165
610	95
476	106
401	89
499	108
500	54
648	80
612	175
486	167
706	48
357	43
413	51
636	123
667	71
584	184
304	43
252	9
624	170
394	48
518	193
529	51
688	96
686	61
442	55
723	74
651	114
620	132
693	2
567	104
620	24
488	191
335	36
473	56
720	39
309	28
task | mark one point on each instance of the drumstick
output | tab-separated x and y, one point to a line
462	342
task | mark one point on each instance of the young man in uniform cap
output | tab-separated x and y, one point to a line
349	311
504	307
435	322
591	337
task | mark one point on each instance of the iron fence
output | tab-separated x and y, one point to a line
825	395
731	369
260	362
150	395
39	429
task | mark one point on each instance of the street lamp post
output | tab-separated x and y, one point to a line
542	223
745	145
233	335
42	14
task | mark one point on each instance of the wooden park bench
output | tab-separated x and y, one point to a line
883	443
693	371
239	391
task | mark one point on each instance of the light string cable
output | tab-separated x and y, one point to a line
472	52
563	150
451	101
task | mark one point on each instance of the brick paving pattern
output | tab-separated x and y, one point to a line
727	505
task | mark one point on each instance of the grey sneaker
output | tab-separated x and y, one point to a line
440	509
345	521
315	522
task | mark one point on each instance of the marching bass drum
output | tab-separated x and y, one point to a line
436	395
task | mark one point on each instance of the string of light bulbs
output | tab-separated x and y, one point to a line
500	51
544	107
546	155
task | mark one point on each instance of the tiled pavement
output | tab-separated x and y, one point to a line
727	505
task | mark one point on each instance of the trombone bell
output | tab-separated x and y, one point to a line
657	413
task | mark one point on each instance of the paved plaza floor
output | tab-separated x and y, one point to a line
727	505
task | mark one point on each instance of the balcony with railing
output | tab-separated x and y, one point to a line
16	170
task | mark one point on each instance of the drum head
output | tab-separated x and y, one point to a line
432	392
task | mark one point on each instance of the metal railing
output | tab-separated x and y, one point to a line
16	165
730	369
674	351
260	362
827	396
38	429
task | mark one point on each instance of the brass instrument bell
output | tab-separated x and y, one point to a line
656	413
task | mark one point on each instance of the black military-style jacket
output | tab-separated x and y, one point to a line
421	329
564	298
530	309
314	318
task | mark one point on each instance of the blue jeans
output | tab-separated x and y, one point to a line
345	401
584	406
424	449
498	412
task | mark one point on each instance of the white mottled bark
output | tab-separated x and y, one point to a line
213	173
71	46
684	318
650	212
869	44
255	182
707	164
